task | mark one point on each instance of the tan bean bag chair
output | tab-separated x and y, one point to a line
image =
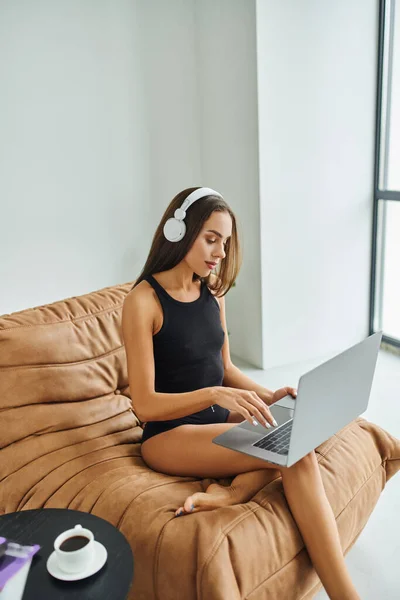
69	439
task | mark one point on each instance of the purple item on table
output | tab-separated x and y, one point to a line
3	546
14	558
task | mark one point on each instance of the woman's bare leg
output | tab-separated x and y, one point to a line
302	484
244	485
316	523
309	505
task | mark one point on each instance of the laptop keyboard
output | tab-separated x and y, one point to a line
278	440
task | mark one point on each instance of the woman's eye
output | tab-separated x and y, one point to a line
213	242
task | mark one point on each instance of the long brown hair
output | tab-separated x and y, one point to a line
165	255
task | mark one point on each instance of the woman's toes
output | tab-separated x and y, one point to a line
185	509
189	505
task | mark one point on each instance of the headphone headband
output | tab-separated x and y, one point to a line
196	195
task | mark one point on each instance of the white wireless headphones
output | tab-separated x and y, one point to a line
175	228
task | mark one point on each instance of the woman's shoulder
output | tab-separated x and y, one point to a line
141	296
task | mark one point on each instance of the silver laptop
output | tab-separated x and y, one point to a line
328	398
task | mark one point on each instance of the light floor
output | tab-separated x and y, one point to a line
374	560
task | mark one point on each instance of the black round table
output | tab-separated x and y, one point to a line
42	526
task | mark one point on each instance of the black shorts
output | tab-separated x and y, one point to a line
203	417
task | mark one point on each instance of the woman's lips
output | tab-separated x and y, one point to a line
210	265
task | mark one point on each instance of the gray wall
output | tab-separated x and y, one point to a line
227	75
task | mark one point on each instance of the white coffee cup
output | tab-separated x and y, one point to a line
74	560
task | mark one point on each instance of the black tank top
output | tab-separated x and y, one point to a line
187	349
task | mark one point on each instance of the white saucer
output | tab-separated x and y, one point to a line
98	560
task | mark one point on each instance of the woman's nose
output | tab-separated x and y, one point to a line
221	253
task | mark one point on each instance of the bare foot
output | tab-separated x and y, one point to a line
215	496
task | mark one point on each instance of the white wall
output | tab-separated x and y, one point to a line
112	108
316	65
74	150
100	129
227	76
170	87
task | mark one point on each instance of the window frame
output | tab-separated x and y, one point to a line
381	196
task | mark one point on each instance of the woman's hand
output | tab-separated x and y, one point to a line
282	392
245	402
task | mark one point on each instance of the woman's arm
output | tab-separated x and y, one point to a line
233	377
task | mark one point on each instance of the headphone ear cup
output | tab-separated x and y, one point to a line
174	230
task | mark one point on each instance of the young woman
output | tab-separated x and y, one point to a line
186	390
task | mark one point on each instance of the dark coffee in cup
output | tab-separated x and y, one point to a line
75	542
